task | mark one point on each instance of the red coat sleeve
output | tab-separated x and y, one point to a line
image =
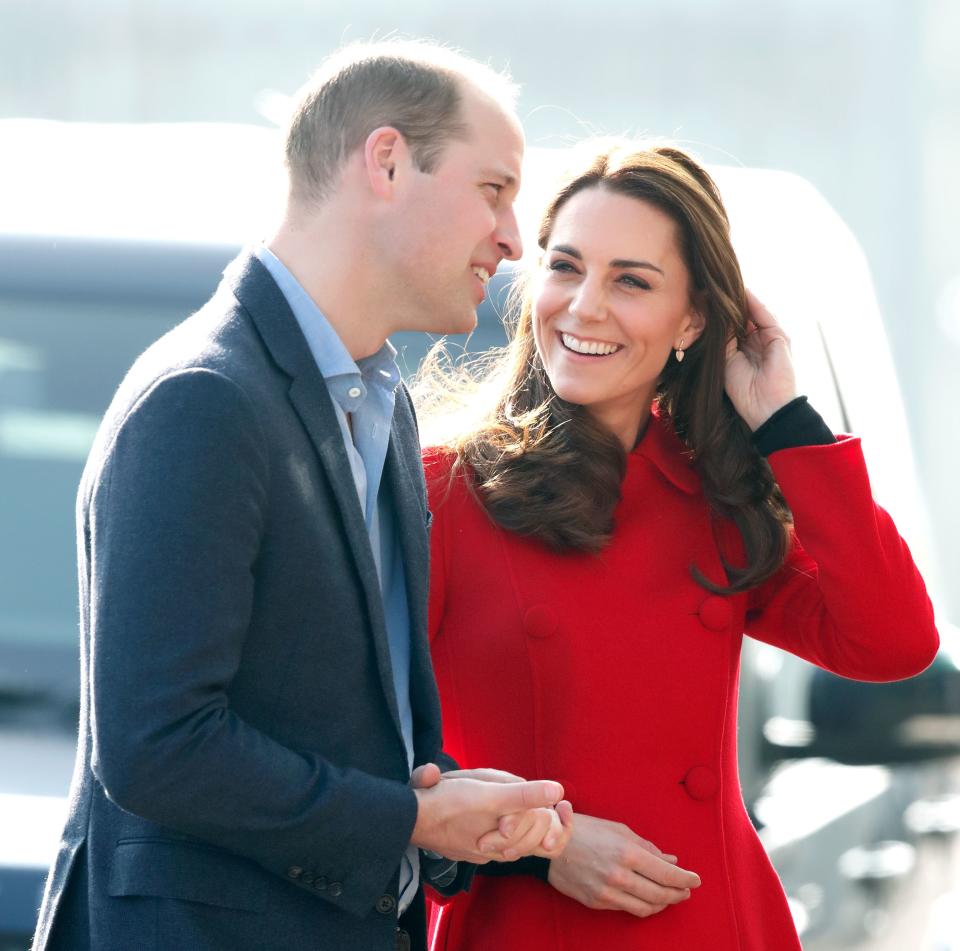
849	597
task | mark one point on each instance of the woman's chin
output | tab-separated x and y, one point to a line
570	392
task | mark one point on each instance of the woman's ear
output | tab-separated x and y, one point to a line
692	326
384	154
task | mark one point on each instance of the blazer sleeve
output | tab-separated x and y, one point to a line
849	597
175	519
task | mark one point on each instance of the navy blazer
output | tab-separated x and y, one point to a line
241	780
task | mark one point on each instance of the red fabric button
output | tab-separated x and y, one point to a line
715	613
700	783
540	621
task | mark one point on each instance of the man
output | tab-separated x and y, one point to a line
253	558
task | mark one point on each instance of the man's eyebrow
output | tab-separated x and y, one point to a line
616	262
509	178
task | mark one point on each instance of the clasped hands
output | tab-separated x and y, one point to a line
483	815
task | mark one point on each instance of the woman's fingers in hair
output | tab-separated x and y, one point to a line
758	313
764	320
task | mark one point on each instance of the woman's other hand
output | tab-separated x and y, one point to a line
607	866
759	372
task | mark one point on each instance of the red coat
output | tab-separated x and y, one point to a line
616	674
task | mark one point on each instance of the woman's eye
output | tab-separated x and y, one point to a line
563	266
632	281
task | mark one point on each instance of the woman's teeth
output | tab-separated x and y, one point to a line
592	347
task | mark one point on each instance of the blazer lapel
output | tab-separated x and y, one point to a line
314	406
264	302
405	479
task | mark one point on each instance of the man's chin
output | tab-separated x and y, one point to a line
458	324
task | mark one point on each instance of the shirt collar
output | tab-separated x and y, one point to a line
346	379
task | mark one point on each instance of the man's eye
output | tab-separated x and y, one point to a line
497	188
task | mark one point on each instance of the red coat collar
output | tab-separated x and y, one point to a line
661	446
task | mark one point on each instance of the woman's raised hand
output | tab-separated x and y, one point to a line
759	373
607	866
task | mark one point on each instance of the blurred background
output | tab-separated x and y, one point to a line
859	97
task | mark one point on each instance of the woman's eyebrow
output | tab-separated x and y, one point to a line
616	262
622	262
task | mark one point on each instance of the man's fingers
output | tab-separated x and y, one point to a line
532	837
425	776
532	794
510	831
564	810
484	775
536	831
561	829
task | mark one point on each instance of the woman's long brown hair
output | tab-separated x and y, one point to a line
544	468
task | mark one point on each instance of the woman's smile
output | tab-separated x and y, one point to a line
584	346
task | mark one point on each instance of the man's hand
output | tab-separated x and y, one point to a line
543	832
607	866
459	814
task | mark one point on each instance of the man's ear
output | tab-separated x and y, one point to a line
384	154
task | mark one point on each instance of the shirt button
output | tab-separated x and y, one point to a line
335	889
320	883
294	872
386	904
354	392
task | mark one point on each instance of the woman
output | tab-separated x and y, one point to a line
642	485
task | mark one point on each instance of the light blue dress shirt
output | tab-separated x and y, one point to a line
365	390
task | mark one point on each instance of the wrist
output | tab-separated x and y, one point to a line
764	414
420	836
793	425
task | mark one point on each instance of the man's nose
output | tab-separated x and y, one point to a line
508	236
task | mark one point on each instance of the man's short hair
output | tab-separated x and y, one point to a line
414	86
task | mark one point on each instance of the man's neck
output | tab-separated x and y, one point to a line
335	271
